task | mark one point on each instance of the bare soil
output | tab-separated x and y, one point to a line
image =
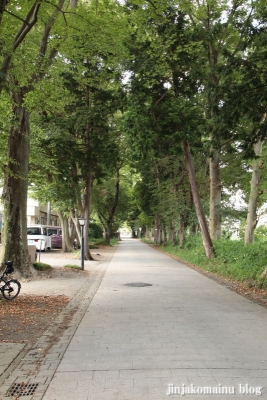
24	319
28	316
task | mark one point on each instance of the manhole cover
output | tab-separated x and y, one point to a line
137	284
22	389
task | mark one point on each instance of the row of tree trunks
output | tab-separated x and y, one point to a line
214	231
160	235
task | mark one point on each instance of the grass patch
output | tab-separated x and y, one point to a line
73	266
233	259
102	242
39	266
148	241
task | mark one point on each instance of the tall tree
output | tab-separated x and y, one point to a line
20	82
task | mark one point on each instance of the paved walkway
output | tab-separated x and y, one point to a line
157	329
135	342
8	353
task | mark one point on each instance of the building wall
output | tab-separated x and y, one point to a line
37	214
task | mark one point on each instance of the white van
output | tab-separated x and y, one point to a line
37	234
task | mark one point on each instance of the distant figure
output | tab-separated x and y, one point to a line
75	244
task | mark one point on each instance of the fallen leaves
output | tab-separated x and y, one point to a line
25	318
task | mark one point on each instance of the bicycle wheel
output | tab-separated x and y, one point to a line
11	289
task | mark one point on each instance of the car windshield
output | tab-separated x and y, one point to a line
34	231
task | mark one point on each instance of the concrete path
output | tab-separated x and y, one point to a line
157	329
8	353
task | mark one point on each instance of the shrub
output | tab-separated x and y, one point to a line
41	266
95	231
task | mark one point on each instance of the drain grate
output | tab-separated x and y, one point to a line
137	284
22	389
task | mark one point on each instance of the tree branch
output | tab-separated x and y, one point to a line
27	25
14	15
3	4
48	27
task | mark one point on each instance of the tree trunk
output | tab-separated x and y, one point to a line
148	234
181	232
72	231
107	220
105	225
87	212
194	229
110	229
77	227
107	237
160	235
15	191
165	237
174	239
3	5
215	196
110	220
207	243
67	245
251	222
173	234
157	231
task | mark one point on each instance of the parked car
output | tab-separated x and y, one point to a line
38	235
56	235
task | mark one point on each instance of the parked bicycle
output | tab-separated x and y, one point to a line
10	288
